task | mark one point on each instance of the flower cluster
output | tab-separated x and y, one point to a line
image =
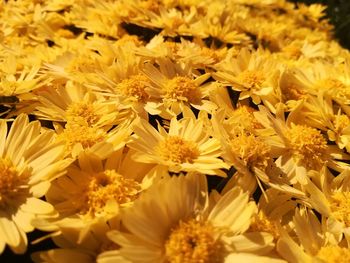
189	131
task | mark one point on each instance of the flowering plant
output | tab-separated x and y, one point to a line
174	131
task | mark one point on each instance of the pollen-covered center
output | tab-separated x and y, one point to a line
252	79
82	113
340	207
11	182
193	241
262	223
334	254
80	134
135	87
308	145
252	150
106	186
243	119
178	150
183	89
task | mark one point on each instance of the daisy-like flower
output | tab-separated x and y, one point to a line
329	196
122	79
198	55
274	211
241	145
187	146
89	200
324	114
95	188
331	79
167	225
313	242
220	21
300	147
29	159
174	87
247	151
250	73
240	140
15	82
79	138
78	105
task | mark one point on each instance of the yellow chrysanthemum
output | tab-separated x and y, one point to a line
183	230
185	147
29	160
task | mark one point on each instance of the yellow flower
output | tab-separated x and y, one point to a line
175	88
79	138
185	147
78	105
250	73
29	160
177	226
312	243
95	187
329	195
299	147
14	81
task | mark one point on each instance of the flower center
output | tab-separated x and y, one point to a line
308	145
261	223
106	186
135	87
182	88
178	150
340	207
82	113
252	79
193	241
11	182
252	150
243	119
334	254
81	134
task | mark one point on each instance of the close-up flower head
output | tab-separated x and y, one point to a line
164	131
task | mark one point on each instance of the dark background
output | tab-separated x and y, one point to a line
338	11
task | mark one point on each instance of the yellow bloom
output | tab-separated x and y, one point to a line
14	81
97	188
79	138
78	105
29	160
175	88
329	195
250	73
299	147
177	226
312	243
185	147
